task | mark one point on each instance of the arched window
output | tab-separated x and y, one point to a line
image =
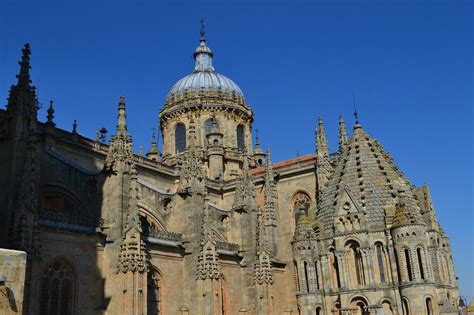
240	137
316	273
387	308
380	261
429	306
154	293
408	263
319	311
306	275
360	304
334	274
301	204
420	263
357	265
405	306
57	289
180	137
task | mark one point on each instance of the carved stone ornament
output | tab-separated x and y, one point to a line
208	259
244	190
263	265
132	256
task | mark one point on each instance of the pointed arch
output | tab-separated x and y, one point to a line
57	288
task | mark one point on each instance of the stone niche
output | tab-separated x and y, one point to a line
12	281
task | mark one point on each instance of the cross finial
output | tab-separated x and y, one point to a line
203	31
356	116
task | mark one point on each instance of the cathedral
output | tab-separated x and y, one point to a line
208	224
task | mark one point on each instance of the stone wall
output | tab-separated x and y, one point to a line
12	281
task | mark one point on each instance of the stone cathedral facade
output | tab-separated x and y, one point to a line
209	225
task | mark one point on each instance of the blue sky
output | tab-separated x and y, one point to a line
409	64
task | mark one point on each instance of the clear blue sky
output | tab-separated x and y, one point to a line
408	62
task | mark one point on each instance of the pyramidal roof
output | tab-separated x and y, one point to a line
373	180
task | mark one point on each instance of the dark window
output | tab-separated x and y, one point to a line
408	264
420	263
306	277
380	262
56	289
429	307
240	137
154	293
316	274
406	309
180	138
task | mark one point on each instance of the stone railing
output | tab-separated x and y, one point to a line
58	216
163	235
231	247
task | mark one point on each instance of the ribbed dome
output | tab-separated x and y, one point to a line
205	80
204	83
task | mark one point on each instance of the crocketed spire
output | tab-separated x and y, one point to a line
154	152
342	133
321	142
22	99
373	180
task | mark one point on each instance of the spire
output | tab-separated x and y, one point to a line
22	99
24	75
121	118
203	54
120	148
270	193
258	148
342	133
50	116
321	143
244	198
154	152
356	115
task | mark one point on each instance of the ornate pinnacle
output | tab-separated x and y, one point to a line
154	152
50	116
122	116
24	75
342	133
270	193
321	142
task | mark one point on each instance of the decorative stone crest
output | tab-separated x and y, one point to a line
245	190
208	259
263	265
270	192
120	149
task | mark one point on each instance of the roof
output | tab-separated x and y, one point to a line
368	173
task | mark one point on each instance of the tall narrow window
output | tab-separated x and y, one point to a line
420	263
306	277
408	264
336	269
379	250
154	293
429	307
318	311
56	289
240	137
316	274
180	137
357	265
